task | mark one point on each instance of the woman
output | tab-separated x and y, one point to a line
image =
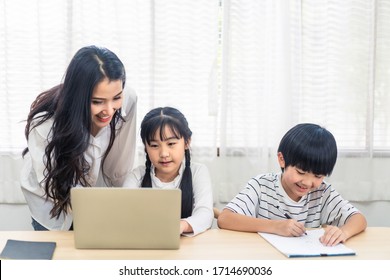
78	137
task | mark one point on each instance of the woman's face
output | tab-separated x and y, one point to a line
106	99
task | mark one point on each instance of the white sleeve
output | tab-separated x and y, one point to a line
32	174
133	180
120	160
246	202
202	214
336	210
37	142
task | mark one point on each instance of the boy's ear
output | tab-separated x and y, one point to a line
281	161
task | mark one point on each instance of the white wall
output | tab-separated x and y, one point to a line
15	217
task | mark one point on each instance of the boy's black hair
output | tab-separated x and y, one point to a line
309	147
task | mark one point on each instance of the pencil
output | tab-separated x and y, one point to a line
289	217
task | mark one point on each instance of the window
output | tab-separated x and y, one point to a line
243	72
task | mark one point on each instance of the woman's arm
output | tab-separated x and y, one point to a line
121	158
37	142
133	180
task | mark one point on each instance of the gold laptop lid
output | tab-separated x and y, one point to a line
122	218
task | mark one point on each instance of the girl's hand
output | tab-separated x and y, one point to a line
185	227
333	236
289	227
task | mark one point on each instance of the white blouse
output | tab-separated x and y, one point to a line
202	214
118	164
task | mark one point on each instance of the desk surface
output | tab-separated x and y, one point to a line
214	244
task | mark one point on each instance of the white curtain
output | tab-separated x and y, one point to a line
256	90
307	61
242	71
321	61
169	48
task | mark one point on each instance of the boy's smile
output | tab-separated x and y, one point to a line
296	182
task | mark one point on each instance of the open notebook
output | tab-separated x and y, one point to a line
121	218
306	245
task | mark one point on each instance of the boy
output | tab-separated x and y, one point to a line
287	202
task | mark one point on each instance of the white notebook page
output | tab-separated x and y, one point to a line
306	245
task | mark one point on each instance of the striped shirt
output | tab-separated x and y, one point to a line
264	197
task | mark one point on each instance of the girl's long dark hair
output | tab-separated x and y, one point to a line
158	119
69	104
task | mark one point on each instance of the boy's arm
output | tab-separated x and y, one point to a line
355	224
229	220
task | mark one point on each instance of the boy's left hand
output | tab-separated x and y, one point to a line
333	236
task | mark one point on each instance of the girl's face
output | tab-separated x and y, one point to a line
166	155
297	182
106	99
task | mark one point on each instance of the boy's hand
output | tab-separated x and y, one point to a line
333	236
289	227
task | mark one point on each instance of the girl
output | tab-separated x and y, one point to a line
298	197
167	137
77	137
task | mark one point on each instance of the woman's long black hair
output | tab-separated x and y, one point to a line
158	119
69	104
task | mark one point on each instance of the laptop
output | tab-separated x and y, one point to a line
122	218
